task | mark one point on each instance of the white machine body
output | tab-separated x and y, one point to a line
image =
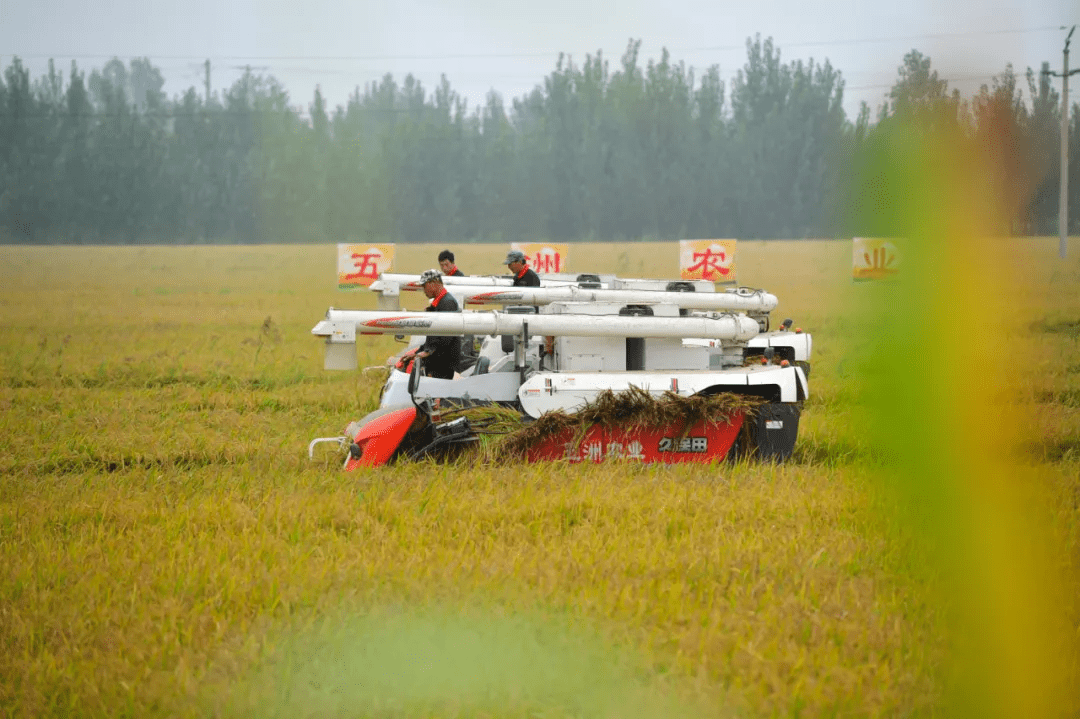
558	355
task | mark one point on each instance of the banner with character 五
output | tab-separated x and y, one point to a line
360	264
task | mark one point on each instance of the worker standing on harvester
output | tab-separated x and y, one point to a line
523	275
446	263
441	354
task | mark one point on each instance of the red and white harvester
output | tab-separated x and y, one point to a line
562	347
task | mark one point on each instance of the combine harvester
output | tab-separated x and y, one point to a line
564	349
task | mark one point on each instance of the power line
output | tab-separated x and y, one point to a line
479	56
893	38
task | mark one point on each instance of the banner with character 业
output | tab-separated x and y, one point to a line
874	258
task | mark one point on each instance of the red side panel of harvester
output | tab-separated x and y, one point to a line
379	437
701	442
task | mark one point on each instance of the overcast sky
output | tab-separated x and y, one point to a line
483	45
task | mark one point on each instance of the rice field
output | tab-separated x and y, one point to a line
167	548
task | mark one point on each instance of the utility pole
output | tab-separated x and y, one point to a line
1063	201
208	78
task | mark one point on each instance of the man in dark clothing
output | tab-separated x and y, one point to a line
441	354
446	262
523	276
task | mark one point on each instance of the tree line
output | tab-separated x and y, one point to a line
594	152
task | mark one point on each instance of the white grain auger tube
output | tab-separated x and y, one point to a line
389	286
399	281
731	327
412	282
560	348
735	300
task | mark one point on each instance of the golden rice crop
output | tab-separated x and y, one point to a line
167	548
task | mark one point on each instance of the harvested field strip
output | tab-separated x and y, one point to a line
134	378
92	463
1069	328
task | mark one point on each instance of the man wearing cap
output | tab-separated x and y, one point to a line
523	276
446	264
441	354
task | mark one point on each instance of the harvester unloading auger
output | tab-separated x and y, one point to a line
658	372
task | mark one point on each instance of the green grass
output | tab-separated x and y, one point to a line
167	548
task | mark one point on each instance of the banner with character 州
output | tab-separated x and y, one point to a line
544	257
